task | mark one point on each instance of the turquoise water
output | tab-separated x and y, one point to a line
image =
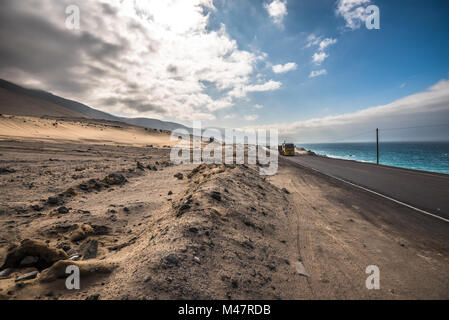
427	156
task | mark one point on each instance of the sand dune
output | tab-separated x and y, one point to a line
80	130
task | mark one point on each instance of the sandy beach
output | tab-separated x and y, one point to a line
106	198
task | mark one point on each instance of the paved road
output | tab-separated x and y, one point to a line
426	191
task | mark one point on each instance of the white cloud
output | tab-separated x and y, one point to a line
319	57
251	117
326	43
427	108
152	58
353	11
230	116
316	73
240	92
312	40
267	86
258	106
277	10
321	44
279	68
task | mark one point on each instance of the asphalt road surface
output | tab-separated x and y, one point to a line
423	190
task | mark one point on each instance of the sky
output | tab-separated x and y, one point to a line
311	69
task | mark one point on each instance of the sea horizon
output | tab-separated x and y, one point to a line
430	156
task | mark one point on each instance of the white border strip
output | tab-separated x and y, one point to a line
379	194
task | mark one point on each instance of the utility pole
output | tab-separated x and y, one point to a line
377	144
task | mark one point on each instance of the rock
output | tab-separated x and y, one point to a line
197	260
172	259
147	216
100	230
63	210
47	256
193	230
5	273
28	276
179	176
140	166
184	207
216	195
285	191
170	193
126	209
53	201
75	258
272	267
93	297
115	179
37	207
89	249
28	261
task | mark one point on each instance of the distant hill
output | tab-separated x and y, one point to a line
16	100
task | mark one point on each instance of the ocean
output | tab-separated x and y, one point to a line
427	156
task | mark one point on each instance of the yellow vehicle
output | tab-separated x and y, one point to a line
287	149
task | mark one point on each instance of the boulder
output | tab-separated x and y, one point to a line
89	249
31	248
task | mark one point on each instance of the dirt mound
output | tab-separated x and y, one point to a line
222	239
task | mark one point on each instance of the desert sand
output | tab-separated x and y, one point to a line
80	130
106	197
